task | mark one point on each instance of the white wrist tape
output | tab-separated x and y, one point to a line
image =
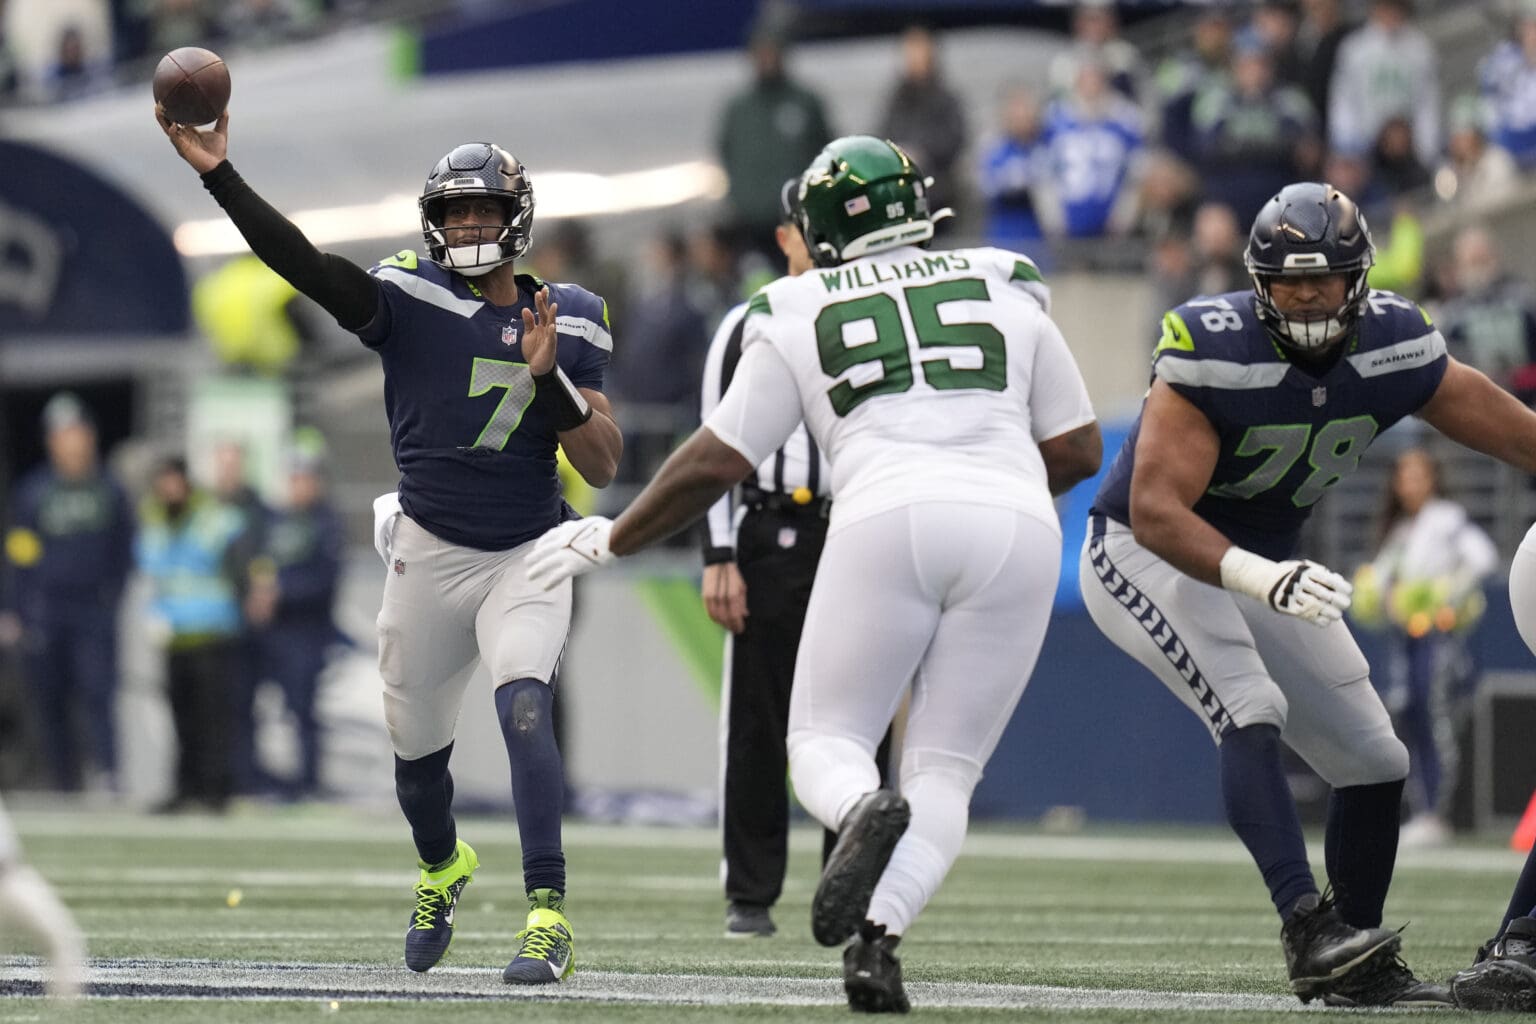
1248	573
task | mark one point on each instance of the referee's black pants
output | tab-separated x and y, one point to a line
776	552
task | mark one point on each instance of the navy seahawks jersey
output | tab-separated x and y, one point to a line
1286	435
476	456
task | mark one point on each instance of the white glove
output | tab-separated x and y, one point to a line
1294	587
570	549
386	509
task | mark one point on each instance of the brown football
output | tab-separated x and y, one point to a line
192	84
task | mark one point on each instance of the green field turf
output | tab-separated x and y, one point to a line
1103	926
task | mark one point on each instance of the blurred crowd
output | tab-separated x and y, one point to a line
1126	161
238	593
57	50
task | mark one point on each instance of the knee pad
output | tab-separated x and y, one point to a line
830	773
1378	758
524	706
959	772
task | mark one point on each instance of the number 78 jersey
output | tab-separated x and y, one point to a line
924	376
1286	435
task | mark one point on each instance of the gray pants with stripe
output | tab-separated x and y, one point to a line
447	608
1237	662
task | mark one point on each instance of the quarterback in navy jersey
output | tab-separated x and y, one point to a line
486	372
1260	402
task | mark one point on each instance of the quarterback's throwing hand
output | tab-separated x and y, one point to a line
570	549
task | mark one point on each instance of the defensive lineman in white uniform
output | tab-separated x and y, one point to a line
29	907
951	411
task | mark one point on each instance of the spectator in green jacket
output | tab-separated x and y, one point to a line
769	132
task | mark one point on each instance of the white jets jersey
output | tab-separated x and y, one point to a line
923	375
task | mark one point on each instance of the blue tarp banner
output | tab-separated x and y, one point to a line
78	256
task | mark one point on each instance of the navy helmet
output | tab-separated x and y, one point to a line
1310	229
478	169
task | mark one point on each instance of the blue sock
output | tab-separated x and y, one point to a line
1263	814
1361	848
1522	903
425	791
524	707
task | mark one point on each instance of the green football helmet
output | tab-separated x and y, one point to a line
862	195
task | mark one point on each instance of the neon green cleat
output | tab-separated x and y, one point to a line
437	894
547	953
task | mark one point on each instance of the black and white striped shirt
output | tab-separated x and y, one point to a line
798	464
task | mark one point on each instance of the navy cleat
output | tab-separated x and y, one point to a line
1320	948
547	952
864	846
1504	978
872	972
437	894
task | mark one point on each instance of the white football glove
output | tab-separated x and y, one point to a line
1296	587
570	549
386	510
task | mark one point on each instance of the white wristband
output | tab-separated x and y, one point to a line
1248	573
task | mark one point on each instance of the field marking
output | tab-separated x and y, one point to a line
1214	847
257	981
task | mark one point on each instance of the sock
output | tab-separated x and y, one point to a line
940	799
425	791
1361	848
1522	902
1263	814
524	708
546	899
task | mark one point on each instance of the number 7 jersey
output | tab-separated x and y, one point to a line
924	376
1286	435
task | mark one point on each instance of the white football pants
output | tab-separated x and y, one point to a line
446	608
952	599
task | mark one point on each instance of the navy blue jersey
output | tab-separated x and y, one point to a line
1286	435
476	456
71	541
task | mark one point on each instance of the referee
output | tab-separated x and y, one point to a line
761	548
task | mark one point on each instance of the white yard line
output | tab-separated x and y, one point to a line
237	980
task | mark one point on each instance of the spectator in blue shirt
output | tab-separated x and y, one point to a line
1093	137
1012	174
293	586
69	550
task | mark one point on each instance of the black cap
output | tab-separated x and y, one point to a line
789	200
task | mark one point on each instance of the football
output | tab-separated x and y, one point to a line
192	84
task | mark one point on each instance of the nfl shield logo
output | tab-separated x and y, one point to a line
1319	396
787	537
399	567
509	334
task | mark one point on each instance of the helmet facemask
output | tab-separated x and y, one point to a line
472	171
1310	230
1312	333
488	245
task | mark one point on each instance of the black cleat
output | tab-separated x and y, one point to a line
437	895
1496	985
1386	981
748	921
1320	948
1504	976
864	845
872	973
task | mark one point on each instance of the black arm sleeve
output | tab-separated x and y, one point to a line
342	288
